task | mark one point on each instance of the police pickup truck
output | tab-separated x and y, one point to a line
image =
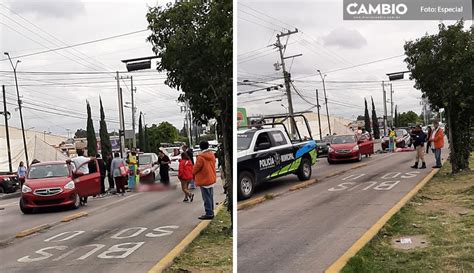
266	152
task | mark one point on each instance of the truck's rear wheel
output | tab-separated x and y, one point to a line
246	185
304	171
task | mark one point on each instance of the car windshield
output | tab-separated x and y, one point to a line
244	140
343	139
47	171
327	139
144	160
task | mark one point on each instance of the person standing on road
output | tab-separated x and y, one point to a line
103	172
392	136
116	168
80	165
185	175
132	166
437	138
190	153
21	172
419	139
164	162
205	176
110	177
428	141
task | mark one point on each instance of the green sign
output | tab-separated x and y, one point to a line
241	117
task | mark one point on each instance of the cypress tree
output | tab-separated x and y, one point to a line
375	122
367	118
141	137
146	142
106	146
91	138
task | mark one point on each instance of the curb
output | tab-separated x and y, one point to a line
373	230
10	195
30	231
261	199
168	260
74	216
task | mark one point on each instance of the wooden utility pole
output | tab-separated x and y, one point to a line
286	75
319	117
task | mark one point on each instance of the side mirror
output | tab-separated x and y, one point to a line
360	141
263	146
329	144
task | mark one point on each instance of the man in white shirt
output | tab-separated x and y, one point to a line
79	160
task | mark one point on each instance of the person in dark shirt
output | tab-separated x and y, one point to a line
164	162
418	140
103	172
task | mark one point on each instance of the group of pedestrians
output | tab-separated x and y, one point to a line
434	140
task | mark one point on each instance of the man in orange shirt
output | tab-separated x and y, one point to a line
204	172
437	138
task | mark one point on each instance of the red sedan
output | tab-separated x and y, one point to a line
53	184
349	147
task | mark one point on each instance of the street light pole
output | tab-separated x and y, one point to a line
19	108
319	117
5	112
325	100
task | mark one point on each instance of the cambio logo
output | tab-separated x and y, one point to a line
379	9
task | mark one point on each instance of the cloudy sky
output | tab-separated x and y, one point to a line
330	44
55	101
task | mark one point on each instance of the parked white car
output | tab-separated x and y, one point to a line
174	166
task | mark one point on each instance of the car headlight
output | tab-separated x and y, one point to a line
146	172
6	179
331	150
26	189
70	185
356	148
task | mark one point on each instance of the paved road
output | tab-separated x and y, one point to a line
121	234
307	230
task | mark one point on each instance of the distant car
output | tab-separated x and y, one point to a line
322	146
403	139
349	147
9	183
174	166
54	184
148	172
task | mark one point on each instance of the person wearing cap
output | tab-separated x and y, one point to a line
437	138
419	139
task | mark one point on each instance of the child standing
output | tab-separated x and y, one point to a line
185	175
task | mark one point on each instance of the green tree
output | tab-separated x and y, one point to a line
360	117
194	41
407	118
395	122
105	145
163	133
141	135
375	121
442	65
367	118
80	133
147	148
91	138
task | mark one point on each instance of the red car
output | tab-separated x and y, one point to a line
349	147
53	184
148	172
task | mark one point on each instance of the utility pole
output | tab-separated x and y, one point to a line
19	108
286	75
6	114
391	103
319	117
384	109
133	90
325	100
121	118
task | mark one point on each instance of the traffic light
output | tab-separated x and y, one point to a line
138	66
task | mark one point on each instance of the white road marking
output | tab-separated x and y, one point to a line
120	248
72	235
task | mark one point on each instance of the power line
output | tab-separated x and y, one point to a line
79	44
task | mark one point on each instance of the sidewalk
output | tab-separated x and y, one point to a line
432	232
